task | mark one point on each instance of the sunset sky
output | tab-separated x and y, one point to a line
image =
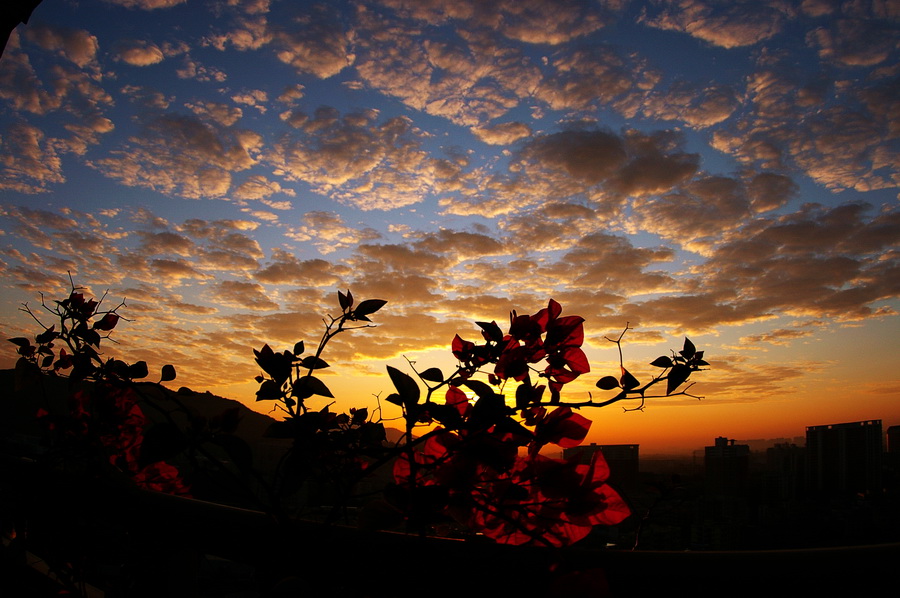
726	170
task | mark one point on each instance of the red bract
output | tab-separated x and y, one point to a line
438	462
555	502
544	335
458	400
514	360
161	477
112	414
596	503
562	427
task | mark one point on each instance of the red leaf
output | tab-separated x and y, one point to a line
563	427
107	322
458	399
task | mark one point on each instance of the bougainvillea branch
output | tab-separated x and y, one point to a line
474	446
471	468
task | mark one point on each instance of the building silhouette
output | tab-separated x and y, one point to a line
845	459
893	439
726	467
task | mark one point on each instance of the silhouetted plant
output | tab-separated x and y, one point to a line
331	449
482	465
105	417
473	445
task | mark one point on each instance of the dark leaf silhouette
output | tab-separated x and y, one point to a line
138	370
269	390
491	331
662	362
480	388
311	362
368	307
628	382
677	376
432	375
168	373
107	322
407	389
308	386
345	301
47	336
607	383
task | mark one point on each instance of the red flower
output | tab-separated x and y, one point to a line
161	477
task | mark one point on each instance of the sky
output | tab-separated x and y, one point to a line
726	171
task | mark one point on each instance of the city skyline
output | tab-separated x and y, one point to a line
725	172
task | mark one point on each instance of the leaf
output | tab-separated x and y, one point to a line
308	386
662	361
138	370
298	348
20	341
47	336
480	388
446	415
487	411
689	349
432	375
91	337
311	362
628	381
405	385
107	322
269	390
677	376
277	365
168	373
607	383
345	301
359	416
491	331
369	306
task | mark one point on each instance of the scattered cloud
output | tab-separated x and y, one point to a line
242	295
730	25
76	45
29	161
183	154
146	4
355	159
139	53
502	134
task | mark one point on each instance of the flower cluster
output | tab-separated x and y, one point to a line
484	482
530	340
483	464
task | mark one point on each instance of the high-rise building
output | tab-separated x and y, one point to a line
845	458
726	467
893	439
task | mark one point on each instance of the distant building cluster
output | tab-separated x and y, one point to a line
839	485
